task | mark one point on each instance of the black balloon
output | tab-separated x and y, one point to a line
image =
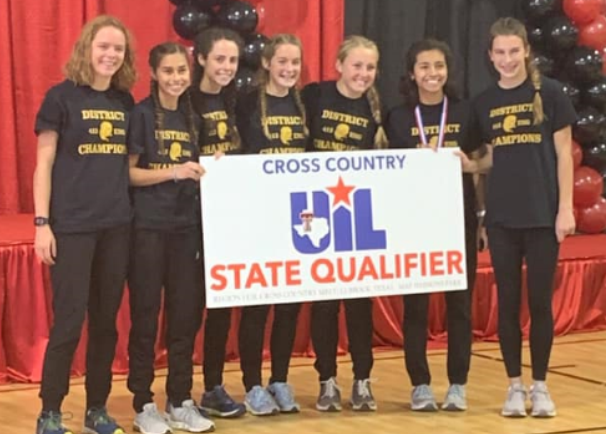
545	64
589	125
245	79
178	2
240	16
595	156
560	35
595	95
536	38
584	65
209	3
573	92
253	47
537	10
189	20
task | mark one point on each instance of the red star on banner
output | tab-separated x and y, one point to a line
341	192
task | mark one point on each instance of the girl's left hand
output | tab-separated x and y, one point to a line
565	224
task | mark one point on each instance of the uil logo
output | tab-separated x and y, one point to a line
509	123
433	142
286	135
341	132
221	129
347	223
176	151
106	131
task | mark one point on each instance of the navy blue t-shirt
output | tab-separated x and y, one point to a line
522	186
90	174
216	132
168	205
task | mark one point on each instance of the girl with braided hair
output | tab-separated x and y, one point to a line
526	119
271	119
165	252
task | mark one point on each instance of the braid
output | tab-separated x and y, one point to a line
299	103
262	99
230	95
191	124
158	114
535	77
380	139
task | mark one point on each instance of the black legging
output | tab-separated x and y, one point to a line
508	248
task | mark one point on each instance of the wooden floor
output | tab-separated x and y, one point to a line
577	381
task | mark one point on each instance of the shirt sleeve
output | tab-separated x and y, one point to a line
135	138
51	115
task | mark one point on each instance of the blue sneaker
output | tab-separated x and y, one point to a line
284	397
218	403
97	421
50	423
259	402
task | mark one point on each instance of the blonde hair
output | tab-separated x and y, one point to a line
79	67
509	26
374	101
269	51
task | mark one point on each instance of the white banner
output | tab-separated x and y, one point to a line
319	226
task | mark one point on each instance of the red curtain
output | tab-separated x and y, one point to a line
36	39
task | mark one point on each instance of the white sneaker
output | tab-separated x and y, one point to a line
188	418
515	404
542	404
150	421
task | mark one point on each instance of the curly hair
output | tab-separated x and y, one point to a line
79	67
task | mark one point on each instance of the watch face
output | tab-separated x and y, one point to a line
40	221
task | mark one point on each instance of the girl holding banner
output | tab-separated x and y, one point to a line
433	116
165	253
527	119
271	120
345	115
216	55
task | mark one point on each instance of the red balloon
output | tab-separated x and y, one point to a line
604	61
582	12
588	186
594	34
592	220
577	154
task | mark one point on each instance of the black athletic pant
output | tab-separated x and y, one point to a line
216	333
170	260
88	276
325	336
458	314
509	247
251	336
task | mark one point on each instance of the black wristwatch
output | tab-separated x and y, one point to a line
41	221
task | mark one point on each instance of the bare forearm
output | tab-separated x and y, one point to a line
144	177
565	181
42	188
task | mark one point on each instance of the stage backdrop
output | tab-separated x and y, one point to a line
36	38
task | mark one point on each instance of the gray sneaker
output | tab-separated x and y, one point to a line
542	405
284	397
361	396
330	396
422	399
259	402
188	418
456	398
515	404
150	421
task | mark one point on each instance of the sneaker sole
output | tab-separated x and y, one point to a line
290	410
453	407
183	427
543	414
513	414
87	430
137	428
427	408
363	407
332	408
226	414
273	412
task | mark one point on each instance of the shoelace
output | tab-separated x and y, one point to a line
364	388
223	396
55	420
423	392
100	416
284	392
190	412
331	388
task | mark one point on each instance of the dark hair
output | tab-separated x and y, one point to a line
156	55
409	88
203	45
269	51
511	27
